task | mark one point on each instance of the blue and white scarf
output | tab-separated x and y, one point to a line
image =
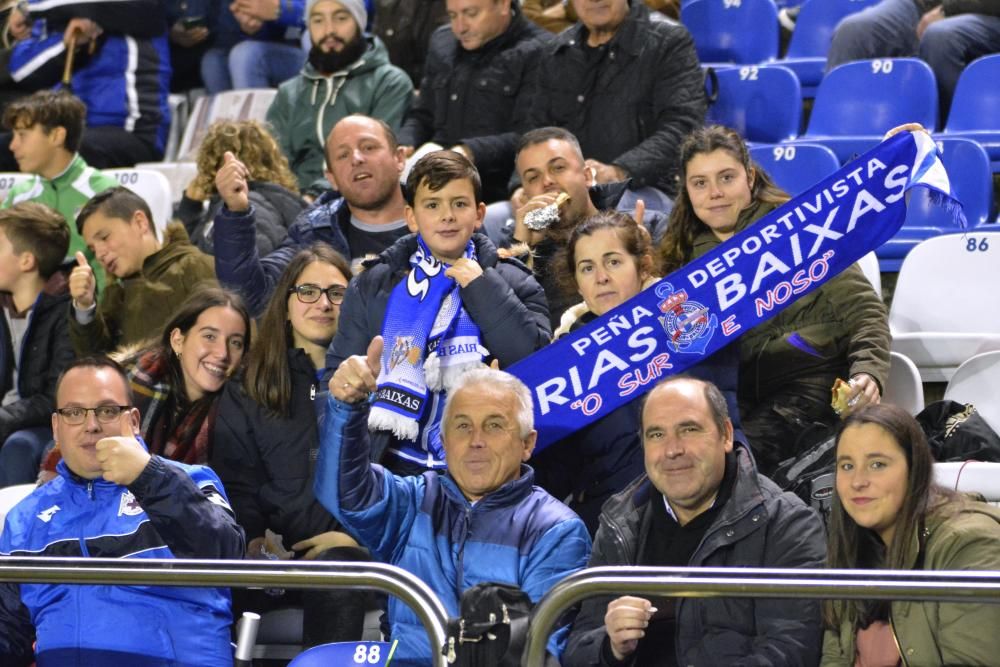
430	340
744	281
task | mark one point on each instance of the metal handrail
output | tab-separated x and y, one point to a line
215	573
943	586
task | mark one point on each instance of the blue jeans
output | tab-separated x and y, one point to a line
21	455
250	64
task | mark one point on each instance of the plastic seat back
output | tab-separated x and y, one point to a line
868	97
733	31
949	284
154	188
977	381
904	387
977	97
9	179
761	103
376	654
816	23
796	167
246	104
968	167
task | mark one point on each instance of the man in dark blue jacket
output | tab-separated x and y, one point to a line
364	218
112	499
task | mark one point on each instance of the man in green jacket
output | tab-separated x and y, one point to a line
47	129
346	72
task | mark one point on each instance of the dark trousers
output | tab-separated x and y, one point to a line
102	148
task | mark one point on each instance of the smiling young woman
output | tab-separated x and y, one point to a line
789	363
888	514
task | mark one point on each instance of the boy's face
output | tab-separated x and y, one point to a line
10	263
35	149
446	218
117	243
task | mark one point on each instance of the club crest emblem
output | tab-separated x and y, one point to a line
128	505
403	349
688	324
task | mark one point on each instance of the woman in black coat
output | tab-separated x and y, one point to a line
266	439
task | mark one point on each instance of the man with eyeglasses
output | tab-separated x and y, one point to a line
111	499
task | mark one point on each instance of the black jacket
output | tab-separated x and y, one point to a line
405	27
759	526
275	209
46	350
266	461
479	98
630	106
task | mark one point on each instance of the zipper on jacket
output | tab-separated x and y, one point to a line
460	565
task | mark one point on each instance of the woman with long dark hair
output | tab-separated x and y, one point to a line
888	514
177	379
790	363
266	438
608	259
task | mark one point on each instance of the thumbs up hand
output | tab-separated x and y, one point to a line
122	458
231	182
358	375
82	285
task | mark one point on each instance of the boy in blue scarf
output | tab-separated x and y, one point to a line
444	302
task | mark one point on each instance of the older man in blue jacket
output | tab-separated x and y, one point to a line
483	520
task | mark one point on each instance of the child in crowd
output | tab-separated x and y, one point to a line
47	128
444	302
33	334
154	278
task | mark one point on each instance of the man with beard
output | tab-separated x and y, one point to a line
346	72
477	87
364	216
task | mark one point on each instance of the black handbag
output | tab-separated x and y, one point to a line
492	628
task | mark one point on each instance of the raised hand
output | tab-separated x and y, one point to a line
231	182
82	284
358	375
121	457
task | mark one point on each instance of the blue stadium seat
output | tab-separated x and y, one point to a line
968	168
810	41
733	31
763	104
975	108
858	102
345	653
796	167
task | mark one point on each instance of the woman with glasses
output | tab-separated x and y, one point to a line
889	514
266	438
177	380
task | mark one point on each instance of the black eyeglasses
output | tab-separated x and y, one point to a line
105	414
309	293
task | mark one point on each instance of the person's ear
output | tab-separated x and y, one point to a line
176	341
27	262
529	445
751	177
645	267
400	156
58	136
142	223
480	215
411	219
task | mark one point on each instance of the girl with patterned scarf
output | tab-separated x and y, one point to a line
177	380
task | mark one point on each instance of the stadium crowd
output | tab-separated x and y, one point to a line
309	359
